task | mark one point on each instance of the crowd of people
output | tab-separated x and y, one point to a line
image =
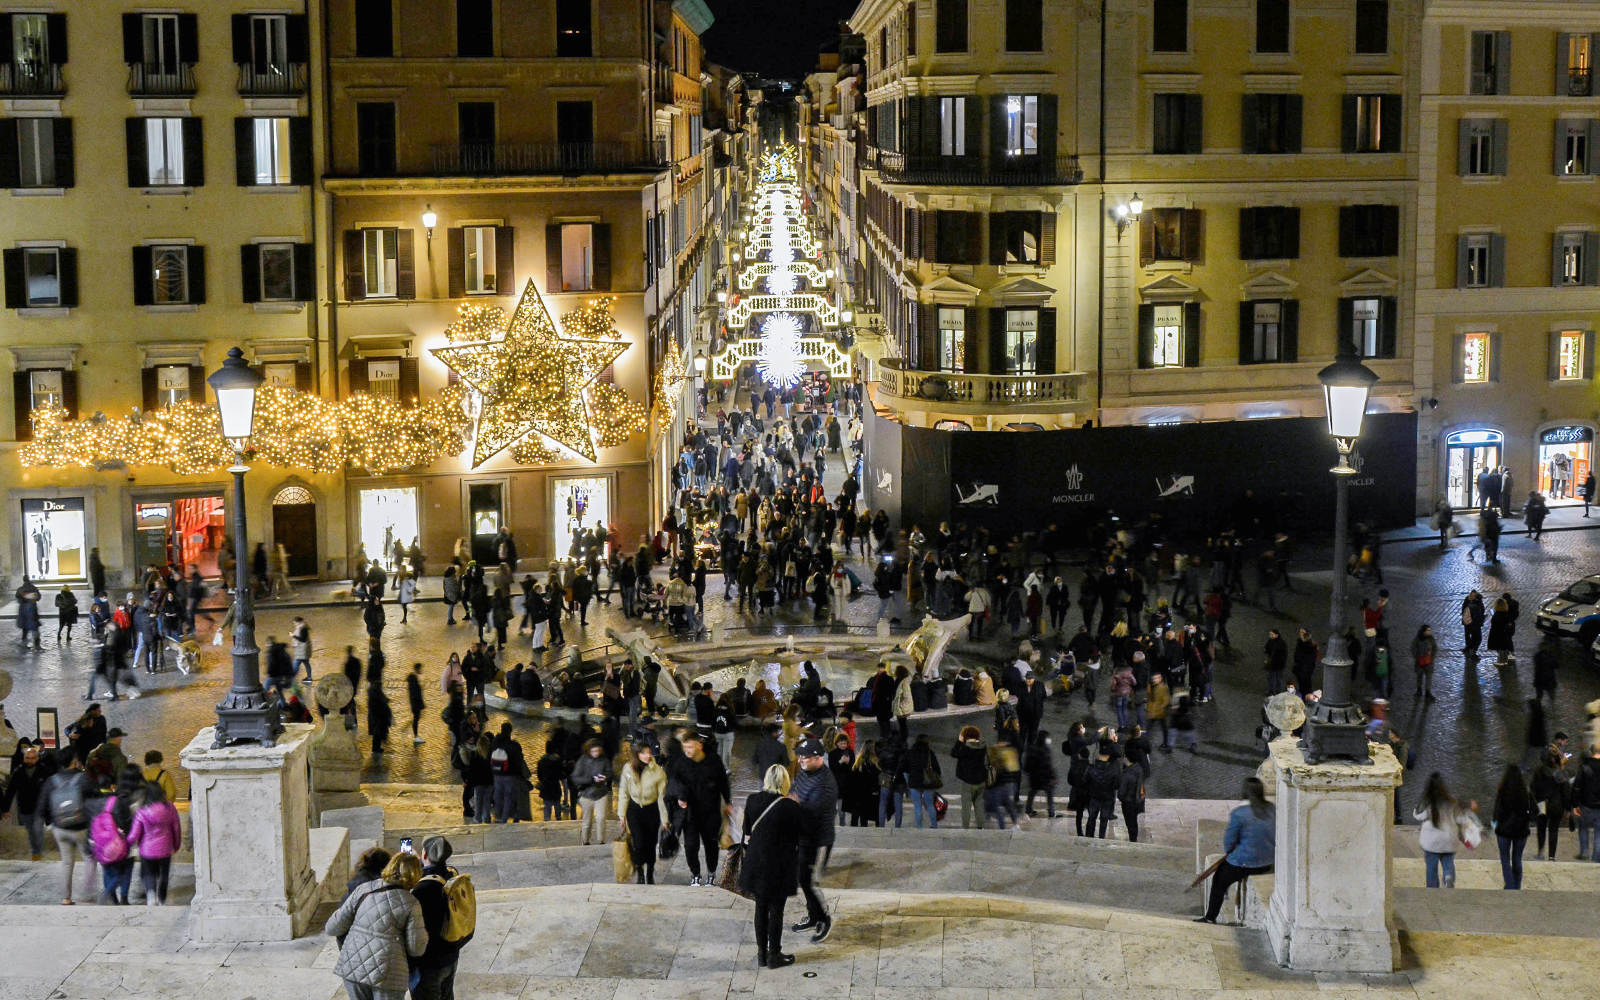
100	809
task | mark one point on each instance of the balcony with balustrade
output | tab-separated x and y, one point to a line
911	391
32	79
1008	171
510	159
151	80
272	80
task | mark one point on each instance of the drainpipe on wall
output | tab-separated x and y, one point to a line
1100	250
334	250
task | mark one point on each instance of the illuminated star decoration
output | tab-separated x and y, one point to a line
533	381
780	362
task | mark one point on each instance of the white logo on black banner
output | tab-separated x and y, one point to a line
885	482
982	495
1075	477
1179	484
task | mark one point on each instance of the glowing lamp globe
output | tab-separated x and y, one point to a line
1136	206
1346	384
235	385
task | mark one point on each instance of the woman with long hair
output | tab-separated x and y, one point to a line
1513	815
158	833
864	786
109	832
1250	842
1443	820
643	783
1549	788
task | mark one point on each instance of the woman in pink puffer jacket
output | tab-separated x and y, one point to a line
158	833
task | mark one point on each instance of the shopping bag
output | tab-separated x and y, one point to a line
622	858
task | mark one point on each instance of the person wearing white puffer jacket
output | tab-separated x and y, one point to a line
1446	824
381	926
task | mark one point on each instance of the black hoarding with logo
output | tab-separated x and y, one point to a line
1198	477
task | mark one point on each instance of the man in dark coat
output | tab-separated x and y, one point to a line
815	788
702	784
1276	661
375	618
1030	708
21	796
883	699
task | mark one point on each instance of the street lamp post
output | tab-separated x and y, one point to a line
245	714
1335	725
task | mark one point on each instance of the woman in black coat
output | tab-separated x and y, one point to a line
771	868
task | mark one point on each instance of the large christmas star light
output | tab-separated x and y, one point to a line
533	381
780	361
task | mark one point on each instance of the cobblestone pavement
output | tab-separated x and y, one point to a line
1477	723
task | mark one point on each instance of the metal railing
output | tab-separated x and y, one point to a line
32	79
289	78
508	158
152	81
904	382
901	168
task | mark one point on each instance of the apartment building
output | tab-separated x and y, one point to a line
1508	248
158	165
477	147
970	210
1173	223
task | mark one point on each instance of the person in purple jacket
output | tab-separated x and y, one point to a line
158	833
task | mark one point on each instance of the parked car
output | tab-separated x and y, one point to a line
1573	612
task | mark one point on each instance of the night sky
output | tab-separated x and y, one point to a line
773	37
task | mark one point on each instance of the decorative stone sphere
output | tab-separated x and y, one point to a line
334	692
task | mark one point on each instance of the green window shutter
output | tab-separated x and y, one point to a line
1289	326
1147	334
1497	260
1247	322
1388	326
1047	342
1346	333
1191	335
997	341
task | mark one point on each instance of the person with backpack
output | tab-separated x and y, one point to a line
109	832
64	809
24	794
552	776
449	915
158	833
381	926
509	768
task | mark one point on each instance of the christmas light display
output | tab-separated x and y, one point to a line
292	430
776	244
540	390
669	376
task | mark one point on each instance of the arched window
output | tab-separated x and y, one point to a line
292	495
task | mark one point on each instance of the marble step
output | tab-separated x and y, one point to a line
1056	844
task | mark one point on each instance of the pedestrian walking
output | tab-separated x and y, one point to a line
773	824
1548	787
815	789
1513	815
414	699
158	833
643	784
1445	824
380	717
591	778
381	928
704	796
1586	804
1472	623
1248	845
1424	648
64	810
1502	629
924	778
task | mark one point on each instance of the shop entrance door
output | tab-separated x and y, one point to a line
1469	453
1565	458
486	513
579	503
294	526
387	514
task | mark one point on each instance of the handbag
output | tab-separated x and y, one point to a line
725	837
667	844
1471	833
941	805
733	860
931	778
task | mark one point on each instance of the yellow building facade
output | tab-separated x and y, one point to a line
158	171
1259	189
1507	247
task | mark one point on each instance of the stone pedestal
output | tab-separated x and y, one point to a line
1330	909
334	753
251	817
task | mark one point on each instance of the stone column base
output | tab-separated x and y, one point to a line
251	817
1330	908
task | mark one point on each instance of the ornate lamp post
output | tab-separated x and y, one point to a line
1335	726
246	714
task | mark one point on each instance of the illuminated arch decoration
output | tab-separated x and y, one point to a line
821	350
803	269
805	302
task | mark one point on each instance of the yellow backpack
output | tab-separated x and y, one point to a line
461	901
